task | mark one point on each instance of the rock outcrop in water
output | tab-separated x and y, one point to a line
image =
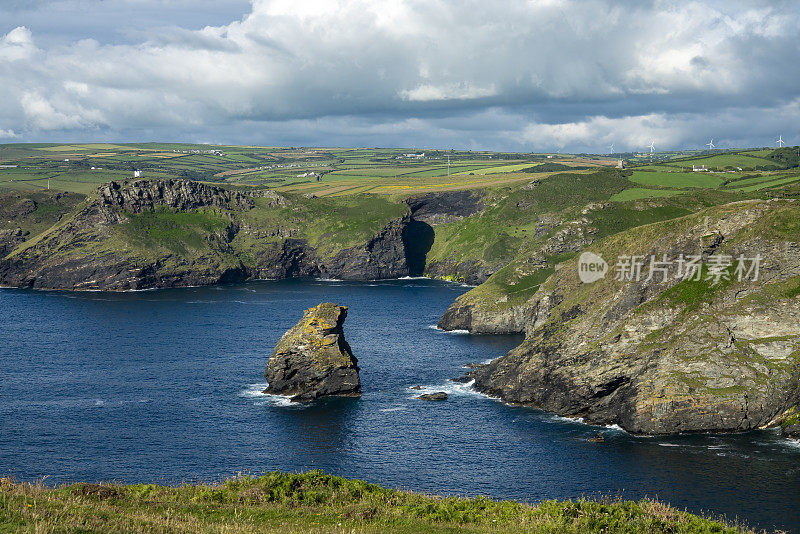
313	359
666	355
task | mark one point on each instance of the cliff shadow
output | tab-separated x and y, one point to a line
418	239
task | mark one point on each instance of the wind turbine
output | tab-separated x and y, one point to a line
710	144
612	148
780	141
652	146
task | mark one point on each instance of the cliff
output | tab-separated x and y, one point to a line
666	354
171	233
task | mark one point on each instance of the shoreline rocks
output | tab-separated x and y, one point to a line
313	359
438	396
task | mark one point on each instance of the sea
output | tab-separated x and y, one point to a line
165	386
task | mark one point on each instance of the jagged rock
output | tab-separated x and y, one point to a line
445	207
531	185
313	359
417	388
655	358
438	396
9	240
144	195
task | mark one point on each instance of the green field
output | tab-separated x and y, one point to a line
341	170
766	184
677	179
728	161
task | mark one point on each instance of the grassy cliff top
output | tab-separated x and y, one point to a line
316	502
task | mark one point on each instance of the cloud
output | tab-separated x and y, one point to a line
16	45
457	91
563	74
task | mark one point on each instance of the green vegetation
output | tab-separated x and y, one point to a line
322	171
637	193
316	502
178	232
677	179
694	292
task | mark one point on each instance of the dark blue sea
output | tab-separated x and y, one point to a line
164	386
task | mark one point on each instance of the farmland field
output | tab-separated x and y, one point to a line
677	179
321	171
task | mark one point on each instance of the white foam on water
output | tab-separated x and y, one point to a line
256	391
791	443
669	445
562	419
413	278
453	389
456	332
615	428
394	409
328	280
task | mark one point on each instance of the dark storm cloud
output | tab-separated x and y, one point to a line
547	74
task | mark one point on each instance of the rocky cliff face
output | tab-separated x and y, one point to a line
668	355
313	360
481	312
154	234
145	195
434	209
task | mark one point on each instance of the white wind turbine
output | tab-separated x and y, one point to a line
710	144
780	141
612	148
652	146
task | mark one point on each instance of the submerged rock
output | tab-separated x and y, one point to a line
313	359
438	396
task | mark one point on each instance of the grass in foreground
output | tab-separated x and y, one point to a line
316	502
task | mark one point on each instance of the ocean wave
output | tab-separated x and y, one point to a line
256	391
456	332
791	443
561	419
453	389
394	409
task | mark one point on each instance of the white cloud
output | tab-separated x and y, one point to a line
457	91
17	45
559	73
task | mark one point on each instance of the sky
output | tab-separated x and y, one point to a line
505	75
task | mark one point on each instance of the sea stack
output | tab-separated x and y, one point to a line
313	359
